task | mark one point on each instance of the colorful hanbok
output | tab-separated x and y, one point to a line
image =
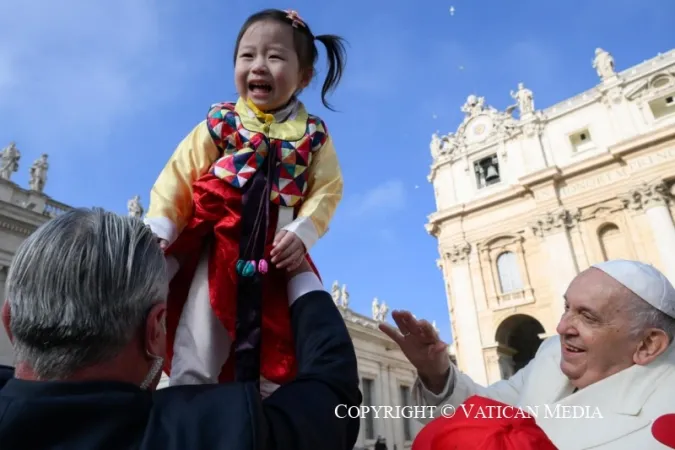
237	179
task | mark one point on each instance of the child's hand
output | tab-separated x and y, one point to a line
163	243
288	251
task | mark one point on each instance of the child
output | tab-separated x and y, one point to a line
244	197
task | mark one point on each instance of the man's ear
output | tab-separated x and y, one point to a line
155	331
6	315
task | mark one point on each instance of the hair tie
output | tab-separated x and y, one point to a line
295	19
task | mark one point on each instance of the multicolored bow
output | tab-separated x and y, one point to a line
295	18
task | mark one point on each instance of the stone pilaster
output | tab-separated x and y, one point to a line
553	228
470	346
653	199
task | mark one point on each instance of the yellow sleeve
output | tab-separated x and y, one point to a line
171	196
324	192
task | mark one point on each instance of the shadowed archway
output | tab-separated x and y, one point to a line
520	333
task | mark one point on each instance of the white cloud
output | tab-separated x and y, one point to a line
74	66
382	199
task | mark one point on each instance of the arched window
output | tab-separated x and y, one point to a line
612	242
509	273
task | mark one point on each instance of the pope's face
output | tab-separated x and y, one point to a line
595	332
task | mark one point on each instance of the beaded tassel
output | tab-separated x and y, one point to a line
248	268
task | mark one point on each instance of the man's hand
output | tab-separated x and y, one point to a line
288	252
421	344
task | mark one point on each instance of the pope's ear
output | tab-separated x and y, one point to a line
654	344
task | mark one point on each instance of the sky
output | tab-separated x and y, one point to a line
109	88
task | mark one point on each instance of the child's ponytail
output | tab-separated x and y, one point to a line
335	55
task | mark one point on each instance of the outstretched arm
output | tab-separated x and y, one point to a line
171	196
302	414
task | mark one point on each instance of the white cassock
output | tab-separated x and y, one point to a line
616	413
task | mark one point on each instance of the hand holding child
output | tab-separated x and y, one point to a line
288	251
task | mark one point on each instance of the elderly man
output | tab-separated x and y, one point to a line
85	312
613	357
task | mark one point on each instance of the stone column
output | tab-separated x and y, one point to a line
653	199
384	427
469	342
552	228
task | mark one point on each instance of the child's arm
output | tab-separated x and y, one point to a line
324	192
171	196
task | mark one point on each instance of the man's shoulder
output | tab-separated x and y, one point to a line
214	413
6	374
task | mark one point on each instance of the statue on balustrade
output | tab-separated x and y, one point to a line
344	297
335	292
604	64
379	310
38	174
134	207
525	99
9	161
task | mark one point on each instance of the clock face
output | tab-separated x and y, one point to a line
479	129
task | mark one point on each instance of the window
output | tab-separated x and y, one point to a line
368	399
581	141
487	171
406	401
509	273
612	243
663	106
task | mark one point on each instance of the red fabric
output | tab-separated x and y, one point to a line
663	430
478	426
217	214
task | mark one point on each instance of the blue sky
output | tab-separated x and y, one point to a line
109	88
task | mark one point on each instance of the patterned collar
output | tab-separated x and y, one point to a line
290	122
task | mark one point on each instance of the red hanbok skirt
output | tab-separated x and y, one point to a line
217	218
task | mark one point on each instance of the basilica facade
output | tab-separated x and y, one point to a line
527	198
386	375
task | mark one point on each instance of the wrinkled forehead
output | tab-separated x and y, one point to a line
268	33
594	289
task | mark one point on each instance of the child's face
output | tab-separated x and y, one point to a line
267	70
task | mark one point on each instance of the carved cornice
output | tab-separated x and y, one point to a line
16	228
459	252
647	195
555	222
533	129
613	96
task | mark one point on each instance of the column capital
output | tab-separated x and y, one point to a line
459	252
646	195
555	221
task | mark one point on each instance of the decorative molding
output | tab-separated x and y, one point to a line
555	222
613	96
459	252
491	126
16	228
534	128
647	195
654	86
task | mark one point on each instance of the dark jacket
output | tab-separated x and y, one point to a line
301	415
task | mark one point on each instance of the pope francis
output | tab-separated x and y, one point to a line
613	361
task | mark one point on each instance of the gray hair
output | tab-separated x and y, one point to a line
80	288
644	316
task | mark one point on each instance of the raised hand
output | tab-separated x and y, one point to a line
421	344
